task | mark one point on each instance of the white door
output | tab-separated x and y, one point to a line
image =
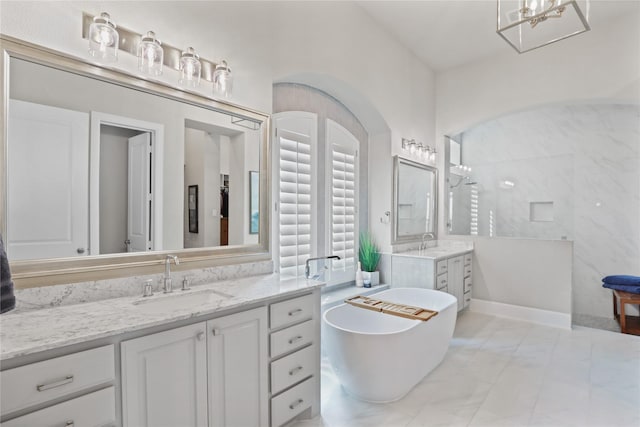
164	378
139	196
238	369
47	182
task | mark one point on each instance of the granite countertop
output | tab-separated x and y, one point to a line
23	333
444	249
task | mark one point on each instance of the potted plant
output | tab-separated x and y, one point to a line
369	256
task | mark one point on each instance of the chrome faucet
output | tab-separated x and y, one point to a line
168	286
306	264
424	245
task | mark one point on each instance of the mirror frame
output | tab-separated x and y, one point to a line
44	272
395	239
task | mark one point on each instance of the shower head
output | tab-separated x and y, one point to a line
462	178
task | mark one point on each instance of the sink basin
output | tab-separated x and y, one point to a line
178	300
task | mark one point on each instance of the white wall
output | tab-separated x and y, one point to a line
114	155
601	65
194	141
528	273
334	46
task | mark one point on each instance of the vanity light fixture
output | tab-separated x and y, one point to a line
418	150
103	38
150	54
530	24
190	68
222	80
154	57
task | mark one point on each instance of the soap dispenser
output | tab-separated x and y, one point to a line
359	277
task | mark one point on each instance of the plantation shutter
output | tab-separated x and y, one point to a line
294	151
343	198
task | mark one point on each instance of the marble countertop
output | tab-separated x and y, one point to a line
444	249
23	333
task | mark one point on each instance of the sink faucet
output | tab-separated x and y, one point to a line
306	264
424	245
168	287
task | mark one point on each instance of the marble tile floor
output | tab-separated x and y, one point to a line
500	372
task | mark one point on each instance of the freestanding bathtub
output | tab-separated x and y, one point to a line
380	357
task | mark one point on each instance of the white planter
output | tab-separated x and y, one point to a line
373	276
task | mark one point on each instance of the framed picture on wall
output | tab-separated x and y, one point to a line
193	208
254	202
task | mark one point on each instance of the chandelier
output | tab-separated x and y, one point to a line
530	24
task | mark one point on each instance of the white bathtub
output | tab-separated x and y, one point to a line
380	357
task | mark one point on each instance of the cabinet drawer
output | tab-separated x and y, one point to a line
467	284
467	271
441	281
467	299
291	311
441	267
94	409
53	378
467	259
291	338
292	402
292	369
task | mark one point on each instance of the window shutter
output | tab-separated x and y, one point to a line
295	205
343	203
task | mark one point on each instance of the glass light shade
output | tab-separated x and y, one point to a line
103	38
190	68
530	24
222	80
150	54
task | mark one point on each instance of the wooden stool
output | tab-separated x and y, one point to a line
626	298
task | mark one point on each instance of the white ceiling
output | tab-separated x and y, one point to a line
448	33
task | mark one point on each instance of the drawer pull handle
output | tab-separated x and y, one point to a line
295	312
295	370
66	380
215	332
296	403
295	339
200	336
69	424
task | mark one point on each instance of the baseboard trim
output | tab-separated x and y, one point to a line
527	314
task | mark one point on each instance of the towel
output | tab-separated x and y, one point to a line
7	299
623	280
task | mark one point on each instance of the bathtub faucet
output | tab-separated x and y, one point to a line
306	264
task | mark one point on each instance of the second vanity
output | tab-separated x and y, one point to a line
447	267
240	352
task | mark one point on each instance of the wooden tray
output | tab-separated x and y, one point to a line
401	310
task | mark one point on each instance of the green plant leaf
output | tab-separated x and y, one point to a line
369	254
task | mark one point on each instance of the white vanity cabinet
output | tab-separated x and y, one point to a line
451	274
164	378
455	279
210	373
294	358
75	389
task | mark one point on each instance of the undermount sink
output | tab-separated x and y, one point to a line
179	299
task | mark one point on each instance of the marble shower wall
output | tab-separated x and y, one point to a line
585	159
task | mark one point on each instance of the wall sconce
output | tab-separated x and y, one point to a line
461	168
222	80
103	38
190	68
150	54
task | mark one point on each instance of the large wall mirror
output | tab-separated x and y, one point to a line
414	200
105	173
